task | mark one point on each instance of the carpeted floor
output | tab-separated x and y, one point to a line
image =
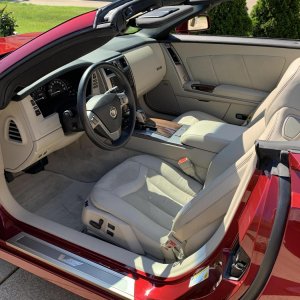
53	196
58	194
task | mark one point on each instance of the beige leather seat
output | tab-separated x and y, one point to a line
145	203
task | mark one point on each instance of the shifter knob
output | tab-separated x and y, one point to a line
68	113
141	116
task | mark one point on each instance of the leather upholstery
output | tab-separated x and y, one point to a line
155	199
149	193
211	136
192	117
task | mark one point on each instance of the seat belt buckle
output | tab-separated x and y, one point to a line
173	244
188	168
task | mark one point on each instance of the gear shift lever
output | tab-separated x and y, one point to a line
143	121
141	116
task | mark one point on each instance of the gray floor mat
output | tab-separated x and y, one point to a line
52	196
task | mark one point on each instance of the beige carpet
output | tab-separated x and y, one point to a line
53	196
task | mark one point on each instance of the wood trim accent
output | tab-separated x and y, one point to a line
166	128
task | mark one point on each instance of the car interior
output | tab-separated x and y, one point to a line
181	116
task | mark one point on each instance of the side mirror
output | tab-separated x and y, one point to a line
200	23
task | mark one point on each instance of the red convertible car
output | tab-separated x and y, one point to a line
139	163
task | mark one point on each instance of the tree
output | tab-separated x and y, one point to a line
7	23
276	19
230	18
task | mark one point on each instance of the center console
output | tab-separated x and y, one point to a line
199	142
161	130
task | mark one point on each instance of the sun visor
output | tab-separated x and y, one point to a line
161	16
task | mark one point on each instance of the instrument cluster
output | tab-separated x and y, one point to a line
55	88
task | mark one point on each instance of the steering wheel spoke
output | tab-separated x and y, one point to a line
94	120
97	123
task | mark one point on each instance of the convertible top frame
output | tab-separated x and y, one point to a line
82	34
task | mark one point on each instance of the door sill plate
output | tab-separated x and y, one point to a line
75	265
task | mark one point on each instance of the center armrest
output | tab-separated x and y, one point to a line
211	136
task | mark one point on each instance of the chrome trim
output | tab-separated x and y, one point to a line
75	265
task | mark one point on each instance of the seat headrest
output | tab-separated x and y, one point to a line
287	92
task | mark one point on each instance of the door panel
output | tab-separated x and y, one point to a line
222	78
250	71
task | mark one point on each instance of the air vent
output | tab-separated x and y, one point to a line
123	63
14	133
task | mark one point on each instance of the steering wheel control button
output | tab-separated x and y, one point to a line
110	233
94	120
113	112
110	226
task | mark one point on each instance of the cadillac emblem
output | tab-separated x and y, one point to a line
113	112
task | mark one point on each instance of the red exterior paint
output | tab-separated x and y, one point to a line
74	25
182	28
11	43
258	218
284	282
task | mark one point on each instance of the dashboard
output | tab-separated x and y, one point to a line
43	119
60	93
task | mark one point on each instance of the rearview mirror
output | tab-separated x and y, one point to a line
200	23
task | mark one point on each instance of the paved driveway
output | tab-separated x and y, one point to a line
17	284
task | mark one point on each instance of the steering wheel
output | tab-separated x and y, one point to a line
108	119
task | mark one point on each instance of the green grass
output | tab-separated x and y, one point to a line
38	18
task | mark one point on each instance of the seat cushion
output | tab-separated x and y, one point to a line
145	193
192	117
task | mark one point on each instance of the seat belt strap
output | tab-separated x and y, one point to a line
174	245
247	122
188	168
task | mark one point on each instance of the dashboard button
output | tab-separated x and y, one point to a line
38	112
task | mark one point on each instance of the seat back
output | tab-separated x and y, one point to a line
277	119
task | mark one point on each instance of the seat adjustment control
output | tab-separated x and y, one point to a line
97	225
110	233
110	226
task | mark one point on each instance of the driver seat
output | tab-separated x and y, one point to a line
145	204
